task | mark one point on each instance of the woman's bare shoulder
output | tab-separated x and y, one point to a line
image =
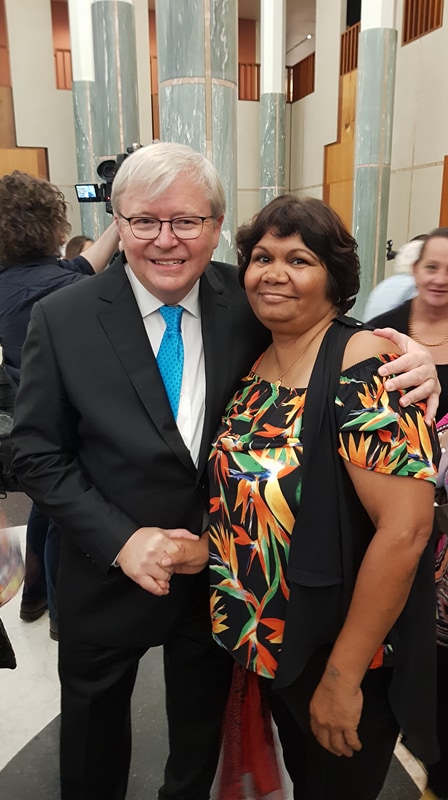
365	345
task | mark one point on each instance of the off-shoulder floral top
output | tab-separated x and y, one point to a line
255	482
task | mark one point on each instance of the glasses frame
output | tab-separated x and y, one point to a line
130	220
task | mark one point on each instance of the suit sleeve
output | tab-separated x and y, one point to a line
45	454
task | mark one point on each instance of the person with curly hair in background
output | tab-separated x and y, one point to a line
33	226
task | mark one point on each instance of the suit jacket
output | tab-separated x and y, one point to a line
97	448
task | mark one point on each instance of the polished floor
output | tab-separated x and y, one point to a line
29	706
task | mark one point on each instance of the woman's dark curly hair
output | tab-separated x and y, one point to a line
33	218
322	231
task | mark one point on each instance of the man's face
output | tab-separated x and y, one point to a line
166	266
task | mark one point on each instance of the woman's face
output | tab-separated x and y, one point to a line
431	273
286	284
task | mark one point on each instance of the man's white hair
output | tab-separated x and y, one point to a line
154	168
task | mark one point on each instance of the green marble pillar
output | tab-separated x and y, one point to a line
116	114
373	137
197	60
85	109
273	100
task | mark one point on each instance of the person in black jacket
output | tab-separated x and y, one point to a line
33	226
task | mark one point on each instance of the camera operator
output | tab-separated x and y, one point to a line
33	226
107	169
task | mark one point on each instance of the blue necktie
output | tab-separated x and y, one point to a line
170	358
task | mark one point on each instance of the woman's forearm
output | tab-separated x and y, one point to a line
102	250
381	590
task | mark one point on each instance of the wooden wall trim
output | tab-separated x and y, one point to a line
27	159
7	126
443	221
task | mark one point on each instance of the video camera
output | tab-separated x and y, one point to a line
107	169
390	252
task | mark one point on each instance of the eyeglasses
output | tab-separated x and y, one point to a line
150	227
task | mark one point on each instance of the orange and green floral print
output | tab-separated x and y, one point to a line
255	481
377	433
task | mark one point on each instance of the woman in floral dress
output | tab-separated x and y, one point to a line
322	489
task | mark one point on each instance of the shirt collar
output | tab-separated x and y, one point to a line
148	304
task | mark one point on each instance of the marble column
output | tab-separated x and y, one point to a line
84	107
273	99
116	97
373	140
197	58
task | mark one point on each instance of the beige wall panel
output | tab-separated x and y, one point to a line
400	208
425	199
43	115
248	145
431	130
248	205
421	101
405	106
318	125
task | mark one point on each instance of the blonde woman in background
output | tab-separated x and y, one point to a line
425	319
400	286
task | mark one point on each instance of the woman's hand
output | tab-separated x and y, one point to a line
415	368
143	555
335	711
192	555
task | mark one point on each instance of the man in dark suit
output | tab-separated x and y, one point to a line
101	449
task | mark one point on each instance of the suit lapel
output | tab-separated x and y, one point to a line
121	320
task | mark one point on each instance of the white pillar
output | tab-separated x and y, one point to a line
373	140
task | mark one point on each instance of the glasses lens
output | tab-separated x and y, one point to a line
187	227
145	227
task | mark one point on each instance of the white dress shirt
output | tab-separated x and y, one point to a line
190	418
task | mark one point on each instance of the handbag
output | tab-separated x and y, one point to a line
11	577
441	554
441	493
7	655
